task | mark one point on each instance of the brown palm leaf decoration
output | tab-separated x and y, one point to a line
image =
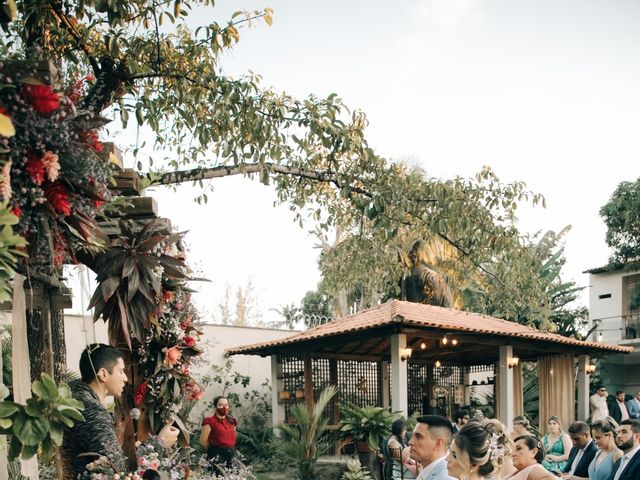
129	280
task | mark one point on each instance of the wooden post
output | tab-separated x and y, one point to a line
308	383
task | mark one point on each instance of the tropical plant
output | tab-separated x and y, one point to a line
129	280
302	441
366	424
11	249
38	426
355	471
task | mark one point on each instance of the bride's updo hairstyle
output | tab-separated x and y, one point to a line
480	446
503	446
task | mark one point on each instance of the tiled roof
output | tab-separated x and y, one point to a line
429	316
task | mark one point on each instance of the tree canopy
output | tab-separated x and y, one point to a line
621	215
313	150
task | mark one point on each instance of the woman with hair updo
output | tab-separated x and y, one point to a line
476	452
527	456
604	432
557	444
504	462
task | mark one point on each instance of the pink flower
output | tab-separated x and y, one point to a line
189	341
154	465
5	181
172	355
51	165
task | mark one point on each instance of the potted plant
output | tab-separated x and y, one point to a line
366	425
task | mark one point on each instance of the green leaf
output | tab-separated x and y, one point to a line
56	433
51	387
30	430
8	408
4	391
15	447
28	451
35	407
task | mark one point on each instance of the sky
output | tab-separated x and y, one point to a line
543	91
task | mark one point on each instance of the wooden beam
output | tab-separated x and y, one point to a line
126	182
110	153
308	382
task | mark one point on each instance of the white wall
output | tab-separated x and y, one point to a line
608	310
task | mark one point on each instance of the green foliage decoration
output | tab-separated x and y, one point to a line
11	250
129	281
302	441
355	471
37	426
366	424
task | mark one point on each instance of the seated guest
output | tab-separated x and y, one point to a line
582	453
102	372
527	456
557	445
520	427
628	440
605	461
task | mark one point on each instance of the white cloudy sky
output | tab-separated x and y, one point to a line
544	91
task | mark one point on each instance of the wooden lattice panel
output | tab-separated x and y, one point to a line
358	383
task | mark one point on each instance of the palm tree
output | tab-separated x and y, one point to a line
433	273
302	442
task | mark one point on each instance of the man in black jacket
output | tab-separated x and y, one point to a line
583	451
102	370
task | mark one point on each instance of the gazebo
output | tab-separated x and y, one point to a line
411	357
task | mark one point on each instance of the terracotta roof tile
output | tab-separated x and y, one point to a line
420	315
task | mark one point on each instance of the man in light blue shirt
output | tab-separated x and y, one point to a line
429	445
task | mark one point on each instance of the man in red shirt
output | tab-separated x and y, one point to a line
218	437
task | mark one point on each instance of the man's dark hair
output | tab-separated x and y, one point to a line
460	414
440	422
95	357
578	428
619	392
635	424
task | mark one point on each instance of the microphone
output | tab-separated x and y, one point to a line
134	413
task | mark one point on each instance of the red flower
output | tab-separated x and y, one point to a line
168	296
58	198
186	322
17	211
189	341
90	138
140	393
35	167
98	203
42	97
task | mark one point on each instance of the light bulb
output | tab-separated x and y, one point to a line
454	342
445	341
423	346
438	363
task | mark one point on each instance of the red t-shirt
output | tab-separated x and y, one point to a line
223	431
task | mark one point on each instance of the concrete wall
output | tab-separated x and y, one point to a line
616	371
81	331
607	311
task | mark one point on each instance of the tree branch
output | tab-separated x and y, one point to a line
225	171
